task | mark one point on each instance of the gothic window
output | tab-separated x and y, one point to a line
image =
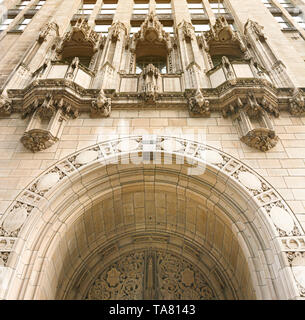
163	7
141	7
284	24
4	25
102	28
201	26
268	3
300	20
38	5
218	7
22	24
109	7
22	4
158	61
195	7
286	3
86	7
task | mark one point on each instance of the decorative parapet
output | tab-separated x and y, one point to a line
46	30
101	107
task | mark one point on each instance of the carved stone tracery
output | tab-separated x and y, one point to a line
151	275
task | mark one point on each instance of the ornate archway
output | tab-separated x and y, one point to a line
66	233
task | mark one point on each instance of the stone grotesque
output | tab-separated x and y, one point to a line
101	107
198	105
5	106
297	103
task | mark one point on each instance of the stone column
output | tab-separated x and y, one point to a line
124	11
95	12
278	42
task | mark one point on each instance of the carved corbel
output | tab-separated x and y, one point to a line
101	107
5	106
297	103
48	118
198	105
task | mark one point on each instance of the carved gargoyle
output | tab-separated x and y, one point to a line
5	106
198	105
101	107
297	104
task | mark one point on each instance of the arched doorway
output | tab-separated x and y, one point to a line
193	222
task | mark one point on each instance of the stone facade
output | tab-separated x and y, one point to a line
152	142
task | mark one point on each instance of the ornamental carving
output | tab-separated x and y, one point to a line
198	105
81	40
151	33
45	108
46	30
101	107
221	34
188	31
151	275
5	106
297	103
48	117
261	139
254	28
152	30
116	30
150	83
